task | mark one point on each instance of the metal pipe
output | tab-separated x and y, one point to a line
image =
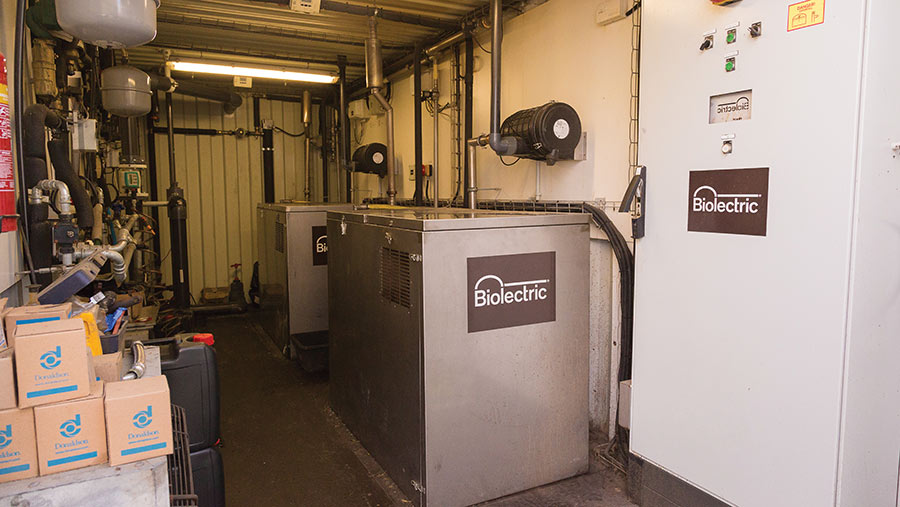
446	43
501	145
139	364
391	177
417	125
471	174
400	17
63	197
345	126
470	108
435	95
307	114
170	120
375	82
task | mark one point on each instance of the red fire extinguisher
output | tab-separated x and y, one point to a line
7	179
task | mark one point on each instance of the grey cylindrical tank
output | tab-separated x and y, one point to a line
109	23
374	60
125	90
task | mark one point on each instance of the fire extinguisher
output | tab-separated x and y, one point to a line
7	179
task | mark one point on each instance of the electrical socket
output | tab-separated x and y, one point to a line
610	11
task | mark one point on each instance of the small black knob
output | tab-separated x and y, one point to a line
707	43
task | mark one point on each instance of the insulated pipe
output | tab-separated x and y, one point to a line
97	230
472	189
59	156
501	145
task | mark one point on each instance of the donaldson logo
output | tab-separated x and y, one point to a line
71	427
6	437
51	359
508	293
143	418
733	201
511	290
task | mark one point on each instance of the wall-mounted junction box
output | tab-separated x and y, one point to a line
306	6
610	11
359	110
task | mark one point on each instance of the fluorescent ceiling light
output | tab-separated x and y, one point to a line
231	70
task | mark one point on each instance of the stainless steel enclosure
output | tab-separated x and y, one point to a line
293	267
459	347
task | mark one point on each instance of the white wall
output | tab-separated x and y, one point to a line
223	182
555	51
10	251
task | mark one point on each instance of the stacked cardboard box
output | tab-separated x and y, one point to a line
62	408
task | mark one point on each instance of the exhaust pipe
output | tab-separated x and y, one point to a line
375	82
501	145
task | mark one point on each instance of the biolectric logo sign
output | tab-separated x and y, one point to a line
509	293
511	290
708	200
729	201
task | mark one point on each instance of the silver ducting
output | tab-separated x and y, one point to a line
375	82
472	190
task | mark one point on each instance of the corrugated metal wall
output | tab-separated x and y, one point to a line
222	178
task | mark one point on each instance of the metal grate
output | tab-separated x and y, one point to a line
181	479
279	237
395	277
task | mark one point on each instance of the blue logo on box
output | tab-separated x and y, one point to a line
51	359
143	418
71	427
6	437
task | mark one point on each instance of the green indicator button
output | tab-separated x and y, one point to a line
731	37
729	66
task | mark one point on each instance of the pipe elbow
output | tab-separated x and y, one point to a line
118	265
502	145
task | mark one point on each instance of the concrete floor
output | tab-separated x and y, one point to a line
283	446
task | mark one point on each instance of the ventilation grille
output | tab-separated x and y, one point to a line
279	237
395	277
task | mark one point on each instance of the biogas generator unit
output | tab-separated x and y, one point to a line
767	298
293	277
459	347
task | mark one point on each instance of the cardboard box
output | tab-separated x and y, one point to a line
35	314
71	434
51	362
18	451
108	367
138	419
7	380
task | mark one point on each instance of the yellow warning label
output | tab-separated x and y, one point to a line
806	14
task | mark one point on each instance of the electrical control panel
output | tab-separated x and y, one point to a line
766	310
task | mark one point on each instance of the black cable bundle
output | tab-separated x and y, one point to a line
625	259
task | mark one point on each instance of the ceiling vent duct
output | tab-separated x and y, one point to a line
550	132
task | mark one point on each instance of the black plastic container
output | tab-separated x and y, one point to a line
193	375
209	477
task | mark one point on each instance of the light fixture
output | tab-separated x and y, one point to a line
232	70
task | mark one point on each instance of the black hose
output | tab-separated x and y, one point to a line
59	155
40	240
19	111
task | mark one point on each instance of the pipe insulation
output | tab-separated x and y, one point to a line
59	156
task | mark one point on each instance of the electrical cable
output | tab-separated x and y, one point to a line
625	259
509	164
285	132
480	46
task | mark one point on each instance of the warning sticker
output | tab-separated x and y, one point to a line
806	14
